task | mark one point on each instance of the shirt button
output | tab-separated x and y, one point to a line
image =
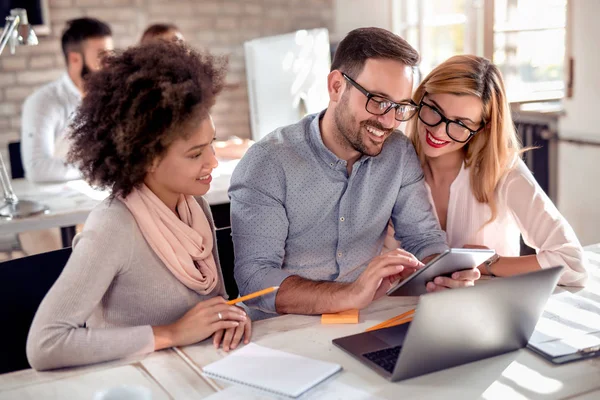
342	219
340	254
331	164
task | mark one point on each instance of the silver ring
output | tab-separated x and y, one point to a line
220	316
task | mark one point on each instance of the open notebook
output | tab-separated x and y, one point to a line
271	370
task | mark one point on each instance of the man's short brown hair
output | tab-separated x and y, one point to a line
366	43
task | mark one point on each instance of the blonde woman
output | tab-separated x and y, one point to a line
482	192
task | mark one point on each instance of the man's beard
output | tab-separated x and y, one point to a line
347	136
85	70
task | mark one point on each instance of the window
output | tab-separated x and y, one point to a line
37	13
524	38
529	47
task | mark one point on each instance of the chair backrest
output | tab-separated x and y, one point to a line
16	164
227	258
23	284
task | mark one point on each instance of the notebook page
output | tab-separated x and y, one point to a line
562	347
271	370
567	316
332	390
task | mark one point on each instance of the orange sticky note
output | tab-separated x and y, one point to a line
344	317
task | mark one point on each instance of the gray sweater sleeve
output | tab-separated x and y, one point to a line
57	337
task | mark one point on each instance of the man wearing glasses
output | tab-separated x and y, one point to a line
310	202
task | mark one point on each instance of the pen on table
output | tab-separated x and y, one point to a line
587	350
398	322
386	324
253	295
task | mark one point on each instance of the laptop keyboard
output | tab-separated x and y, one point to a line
385	358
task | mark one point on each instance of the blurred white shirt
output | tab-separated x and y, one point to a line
46	116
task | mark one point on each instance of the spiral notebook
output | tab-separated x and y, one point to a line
274	371
569	329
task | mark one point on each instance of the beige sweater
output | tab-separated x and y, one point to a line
117	286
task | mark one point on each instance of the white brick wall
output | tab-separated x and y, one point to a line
218	25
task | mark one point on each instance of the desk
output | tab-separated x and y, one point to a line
71	202
520	374
163	372
517	375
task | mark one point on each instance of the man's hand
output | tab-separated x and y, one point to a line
297	295
380	275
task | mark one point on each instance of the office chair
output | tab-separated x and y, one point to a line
226	256
16	164
23	284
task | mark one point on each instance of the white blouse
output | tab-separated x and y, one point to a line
522	208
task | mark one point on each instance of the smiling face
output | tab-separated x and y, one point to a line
435	141
360	130
187	165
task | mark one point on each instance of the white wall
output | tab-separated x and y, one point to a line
582	117
352	14
579	189
579	166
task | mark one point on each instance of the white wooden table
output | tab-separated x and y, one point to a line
163	372
518	375
71	202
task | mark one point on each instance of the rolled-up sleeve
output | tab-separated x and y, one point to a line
259	225
415	224
40	121
543	227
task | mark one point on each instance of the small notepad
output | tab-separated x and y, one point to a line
274	371
344	317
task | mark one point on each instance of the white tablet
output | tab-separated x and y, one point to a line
445	264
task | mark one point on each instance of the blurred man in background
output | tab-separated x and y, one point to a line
47	112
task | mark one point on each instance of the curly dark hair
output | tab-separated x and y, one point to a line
137	104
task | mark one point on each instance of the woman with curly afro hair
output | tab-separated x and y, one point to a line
144	274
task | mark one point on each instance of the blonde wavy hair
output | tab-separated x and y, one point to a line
491	152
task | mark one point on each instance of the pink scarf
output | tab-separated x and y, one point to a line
185	245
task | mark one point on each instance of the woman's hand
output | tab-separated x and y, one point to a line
230	338
199	323
481	267
458	279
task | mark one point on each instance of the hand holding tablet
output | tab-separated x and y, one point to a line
445	264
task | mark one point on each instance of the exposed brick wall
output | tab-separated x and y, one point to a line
219	25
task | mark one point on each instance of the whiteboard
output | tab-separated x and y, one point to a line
287	78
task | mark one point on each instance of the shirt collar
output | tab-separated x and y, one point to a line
326	155
68	83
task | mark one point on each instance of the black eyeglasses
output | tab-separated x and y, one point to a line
378	105
456	130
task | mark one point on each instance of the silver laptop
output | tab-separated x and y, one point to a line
457	326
